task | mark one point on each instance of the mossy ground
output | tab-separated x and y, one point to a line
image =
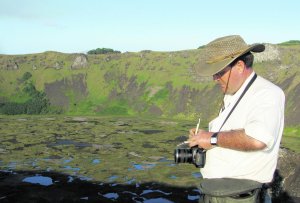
105	149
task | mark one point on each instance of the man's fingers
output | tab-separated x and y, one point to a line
192	143
192	132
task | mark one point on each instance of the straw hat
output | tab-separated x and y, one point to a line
219	53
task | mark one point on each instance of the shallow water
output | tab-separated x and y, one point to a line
127	158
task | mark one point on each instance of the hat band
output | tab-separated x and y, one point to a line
221	58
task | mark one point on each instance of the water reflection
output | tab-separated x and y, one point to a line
193	197
173	177
69	142
12	165
150	191
70	179
71	168
142	166
112	178
111	195
96	161
38	179
197	175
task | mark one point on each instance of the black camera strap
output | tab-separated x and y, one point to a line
237	102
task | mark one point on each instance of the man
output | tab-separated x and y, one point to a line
242	142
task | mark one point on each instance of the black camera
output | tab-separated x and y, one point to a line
192	155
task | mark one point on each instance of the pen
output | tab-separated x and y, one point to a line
197	128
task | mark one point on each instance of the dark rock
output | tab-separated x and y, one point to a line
151	131
181	138
155	110
289	169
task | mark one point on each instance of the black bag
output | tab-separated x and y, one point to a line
226	187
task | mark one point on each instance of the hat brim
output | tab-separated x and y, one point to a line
203	68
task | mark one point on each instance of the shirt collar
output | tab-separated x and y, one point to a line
228	98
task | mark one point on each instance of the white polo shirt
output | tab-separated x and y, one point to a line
261	113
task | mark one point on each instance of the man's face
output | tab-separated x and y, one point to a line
229	79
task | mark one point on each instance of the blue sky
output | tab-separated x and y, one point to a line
70	26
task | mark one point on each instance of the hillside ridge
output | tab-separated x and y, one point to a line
146	83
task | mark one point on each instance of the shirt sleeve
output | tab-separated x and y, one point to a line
265	118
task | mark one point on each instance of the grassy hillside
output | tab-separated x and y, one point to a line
146	83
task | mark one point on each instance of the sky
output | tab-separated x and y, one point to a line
76	26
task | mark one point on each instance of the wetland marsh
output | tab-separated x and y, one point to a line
120	159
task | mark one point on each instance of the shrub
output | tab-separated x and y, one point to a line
37	104
26	76
291	42
102	51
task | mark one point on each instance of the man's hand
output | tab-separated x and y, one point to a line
201	139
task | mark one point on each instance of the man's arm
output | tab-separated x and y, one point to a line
235	139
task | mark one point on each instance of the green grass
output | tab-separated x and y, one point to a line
290	42
291	138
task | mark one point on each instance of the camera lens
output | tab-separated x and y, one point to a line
183	155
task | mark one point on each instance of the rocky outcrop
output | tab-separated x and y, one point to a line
271	53
81	61
287	177
10	65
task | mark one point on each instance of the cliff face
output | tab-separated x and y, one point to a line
143	83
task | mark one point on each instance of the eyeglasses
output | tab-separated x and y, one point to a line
221	73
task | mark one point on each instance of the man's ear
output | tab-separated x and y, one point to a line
240	66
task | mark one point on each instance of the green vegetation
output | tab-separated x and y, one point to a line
36	104
26	76
102	51
114	109
291	138
290	43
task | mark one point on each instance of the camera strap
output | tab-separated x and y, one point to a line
237	102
